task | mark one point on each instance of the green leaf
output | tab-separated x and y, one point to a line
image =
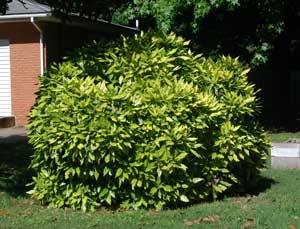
78	171
153	190
96	174
108	199
80	146
103	193
197	180
168	188
185	186
119	172
181	156
107	158
139	183
183	198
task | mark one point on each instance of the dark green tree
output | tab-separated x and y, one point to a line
103	9
246	28
3	5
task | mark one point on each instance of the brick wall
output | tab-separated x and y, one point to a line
24	39
25	66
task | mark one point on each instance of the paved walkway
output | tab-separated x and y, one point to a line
13	134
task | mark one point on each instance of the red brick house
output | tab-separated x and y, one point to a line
31	37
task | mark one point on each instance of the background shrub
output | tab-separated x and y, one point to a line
143	122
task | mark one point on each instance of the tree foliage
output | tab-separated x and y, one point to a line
247	28
93	8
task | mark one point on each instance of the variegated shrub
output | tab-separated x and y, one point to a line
143	122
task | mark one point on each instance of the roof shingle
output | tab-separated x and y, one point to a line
26	7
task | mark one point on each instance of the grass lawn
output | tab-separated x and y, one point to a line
277	205
281	137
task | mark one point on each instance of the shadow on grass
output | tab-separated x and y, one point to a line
261	185
258	185
15	157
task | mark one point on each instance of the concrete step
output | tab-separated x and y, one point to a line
285	156
6	122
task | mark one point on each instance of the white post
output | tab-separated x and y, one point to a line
137	23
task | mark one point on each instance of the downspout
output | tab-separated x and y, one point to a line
41	44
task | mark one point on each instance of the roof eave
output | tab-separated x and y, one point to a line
91	24
22	17
75	21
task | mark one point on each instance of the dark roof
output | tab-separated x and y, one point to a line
24	9
16	7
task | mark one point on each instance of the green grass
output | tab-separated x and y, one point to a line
276	204
282	137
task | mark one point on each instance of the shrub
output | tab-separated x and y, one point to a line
143	122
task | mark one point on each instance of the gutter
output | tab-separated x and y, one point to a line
24	16
41	44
